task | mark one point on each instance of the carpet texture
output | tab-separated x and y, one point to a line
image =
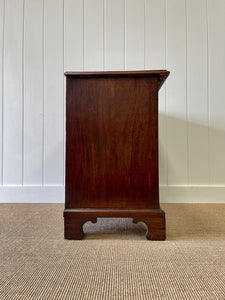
114	261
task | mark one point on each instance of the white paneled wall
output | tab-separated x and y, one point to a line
2	9
197	92
53	94
216	88
114	35
40	39
33	93
176	100
13	93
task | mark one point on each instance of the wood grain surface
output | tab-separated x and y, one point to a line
112	138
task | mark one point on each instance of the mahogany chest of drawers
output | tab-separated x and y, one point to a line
112	149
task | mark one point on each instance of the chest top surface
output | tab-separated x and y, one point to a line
160	74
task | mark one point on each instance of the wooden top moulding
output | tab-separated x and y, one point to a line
161	74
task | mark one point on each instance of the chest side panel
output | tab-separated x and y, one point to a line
112	143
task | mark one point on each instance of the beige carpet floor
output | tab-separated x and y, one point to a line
114	261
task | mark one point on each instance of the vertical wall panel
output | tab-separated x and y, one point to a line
155	34
93	35
216	44
134	34
13	93
114	35
33	92
197	92
73	35
1	79
53	92
155	53
176	93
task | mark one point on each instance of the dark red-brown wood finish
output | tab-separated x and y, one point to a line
112	149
